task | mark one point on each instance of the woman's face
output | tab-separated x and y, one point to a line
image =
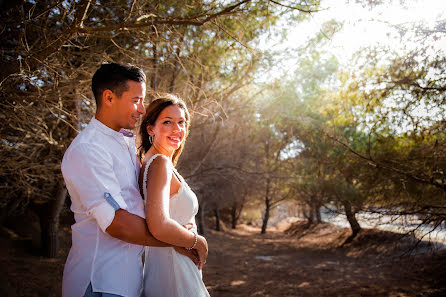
169	130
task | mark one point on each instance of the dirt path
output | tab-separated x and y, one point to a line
244	263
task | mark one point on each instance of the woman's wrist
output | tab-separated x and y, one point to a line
195	241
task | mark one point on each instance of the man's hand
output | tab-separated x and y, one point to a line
191	254
202	250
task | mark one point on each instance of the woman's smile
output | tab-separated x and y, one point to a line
175	139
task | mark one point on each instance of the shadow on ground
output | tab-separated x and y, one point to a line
308	262
305	262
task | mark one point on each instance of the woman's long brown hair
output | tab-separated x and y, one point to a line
152	113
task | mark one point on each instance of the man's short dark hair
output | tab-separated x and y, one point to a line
114	77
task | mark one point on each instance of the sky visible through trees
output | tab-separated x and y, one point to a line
360	25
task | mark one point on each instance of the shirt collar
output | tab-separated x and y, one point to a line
109	131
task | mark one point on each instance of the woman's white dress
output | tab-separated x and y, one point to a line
166	272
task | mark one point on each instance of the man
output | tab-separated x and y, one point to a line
101	174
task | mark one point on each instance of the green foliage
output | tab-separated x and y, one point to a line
372	135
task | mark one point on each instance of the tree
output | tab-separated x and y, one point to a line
398	100
51	48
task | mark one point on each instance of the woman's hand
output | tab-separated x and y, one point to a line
202	250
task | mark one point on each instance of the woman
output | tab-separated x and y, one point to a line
171	205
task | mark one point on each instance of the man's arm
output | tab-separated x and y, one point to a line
133	229
89	173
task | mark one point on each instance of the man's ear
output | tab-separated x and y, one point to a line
107	97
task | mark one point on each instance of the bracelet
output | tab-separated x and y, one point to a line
195	242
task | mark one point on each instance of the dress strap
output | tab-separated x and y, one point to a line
175	172
146	169
180	177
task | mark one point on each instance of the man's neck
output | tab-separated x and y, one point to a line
105	119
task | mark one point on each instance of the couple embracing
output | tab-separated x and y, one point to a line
134	232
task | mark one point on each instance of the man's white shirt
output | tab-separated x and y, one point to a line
101	174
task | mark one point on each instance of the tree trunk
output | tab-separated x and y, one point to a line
308	211
265	220
354	225
314	213
267	207
267	190
309	215
200	223
317	210
318	215
49	221
217	219
234	217
313	210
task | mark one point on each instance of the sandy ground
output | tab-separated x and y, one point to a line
309	263
302	262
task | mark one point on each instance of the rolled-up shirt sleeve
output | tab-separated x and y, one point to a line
88	171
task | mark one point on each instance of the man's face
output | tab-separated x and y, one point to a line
130	106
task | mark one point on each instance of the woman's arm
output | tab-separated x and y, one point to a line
158	220
132	229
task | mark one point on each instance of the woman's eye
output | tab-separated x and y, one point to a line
181	122
166	122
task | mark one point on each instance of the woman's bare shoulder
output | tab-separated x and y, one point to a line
160	165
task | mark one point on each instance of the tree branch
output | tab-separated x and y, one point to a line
393	169
191	21
293	7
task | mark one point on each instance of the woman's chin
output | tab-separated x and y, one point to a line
171	149
175	145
